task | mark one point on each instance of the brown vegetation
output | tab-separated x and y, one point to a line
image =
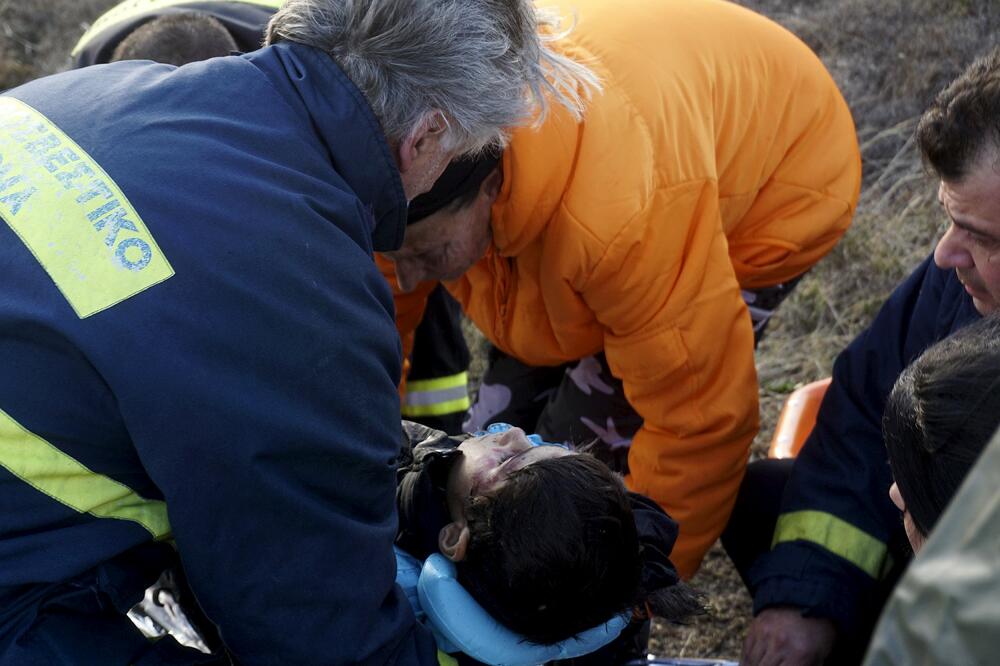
889	57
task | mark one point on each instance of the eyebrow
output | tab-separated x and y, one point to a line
965	226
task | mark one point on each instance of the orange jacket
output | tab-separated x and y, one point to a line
720	155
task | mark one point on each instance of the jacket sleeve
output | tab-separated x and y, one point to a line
275	451
837	529
679	337
409	309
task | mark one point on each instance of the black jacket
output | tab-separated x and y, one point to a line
838	533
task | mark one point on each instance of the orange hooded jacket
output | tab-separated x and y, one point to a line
719	156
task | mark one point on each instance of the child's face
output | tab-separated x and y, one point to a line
486	462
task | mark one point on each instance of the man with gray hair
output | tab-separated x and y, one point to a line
200	362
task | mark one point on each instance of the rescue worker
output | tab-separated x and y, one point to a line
719	164
838	542
242	20
182	31
200	363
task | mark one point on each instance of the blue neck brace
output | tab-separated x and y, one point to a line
460	624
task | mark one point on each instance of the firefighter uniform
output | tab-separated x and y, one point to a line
199	353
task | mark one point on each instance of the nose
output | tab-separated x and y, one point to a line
514	438
896	498
951	251
408	275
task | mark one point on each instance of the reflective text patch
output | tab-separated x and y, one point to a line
71	215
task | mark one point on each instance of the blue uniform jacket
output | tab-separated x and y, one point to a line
838	532
249	396
244	19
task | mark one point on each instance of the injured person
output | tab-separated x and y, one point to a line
510	550
546	540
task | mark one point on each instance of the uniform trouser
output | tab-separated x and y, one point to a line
83	622
748	536
440	356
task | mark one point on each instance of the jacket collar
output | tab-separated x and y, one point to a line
537	170
352	134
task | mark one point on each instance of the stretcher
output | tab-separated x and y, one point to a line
797	419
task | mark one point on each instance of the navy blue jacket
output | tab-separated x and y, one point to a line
245	21
838	533
253	390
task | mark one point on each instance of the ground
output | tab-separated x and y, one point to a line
889	57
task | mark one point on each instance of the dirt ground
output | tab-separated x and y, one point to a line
889	58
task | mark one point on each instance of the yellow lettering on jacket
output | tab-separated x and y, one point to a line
70	214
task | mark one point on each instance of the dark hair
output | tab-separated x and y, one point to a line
963	121
556	551
177	39
940	415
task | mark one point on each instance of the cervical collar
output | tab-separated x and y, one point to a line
455	616
460	624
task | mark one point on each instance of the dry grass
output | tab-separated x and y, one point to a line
889	57
37	36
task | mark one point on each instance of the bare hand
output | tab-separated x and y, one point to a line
783	636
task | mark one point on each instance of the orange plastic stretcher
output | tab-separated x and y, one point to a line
798	416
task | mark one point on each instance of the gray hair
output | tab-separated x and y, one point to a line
486	64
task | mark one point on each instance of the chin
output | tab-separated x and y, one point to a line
984	308
455	274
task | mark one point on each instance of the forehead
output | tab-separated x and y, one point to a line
977	196
542	452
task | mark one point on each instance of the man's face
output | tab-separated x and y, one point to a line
971	245
426	168
444	245
423	155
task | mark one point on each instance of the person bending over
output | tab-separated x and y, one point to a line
178	32
174	31
621	264
545	539
177	39
941	414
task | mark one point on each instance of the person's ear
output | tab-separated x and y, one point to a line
423	140
453	540
492	183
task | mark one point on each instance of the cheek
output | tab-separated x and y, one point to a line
912	533
467	251
989	270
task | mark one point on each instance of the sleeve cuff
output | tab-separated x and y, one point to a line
800	576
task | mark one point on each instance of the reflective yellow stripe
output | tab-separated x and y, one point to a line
436	397
835	535
437	409
438	383
128	10
49	470
445	659
70	214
